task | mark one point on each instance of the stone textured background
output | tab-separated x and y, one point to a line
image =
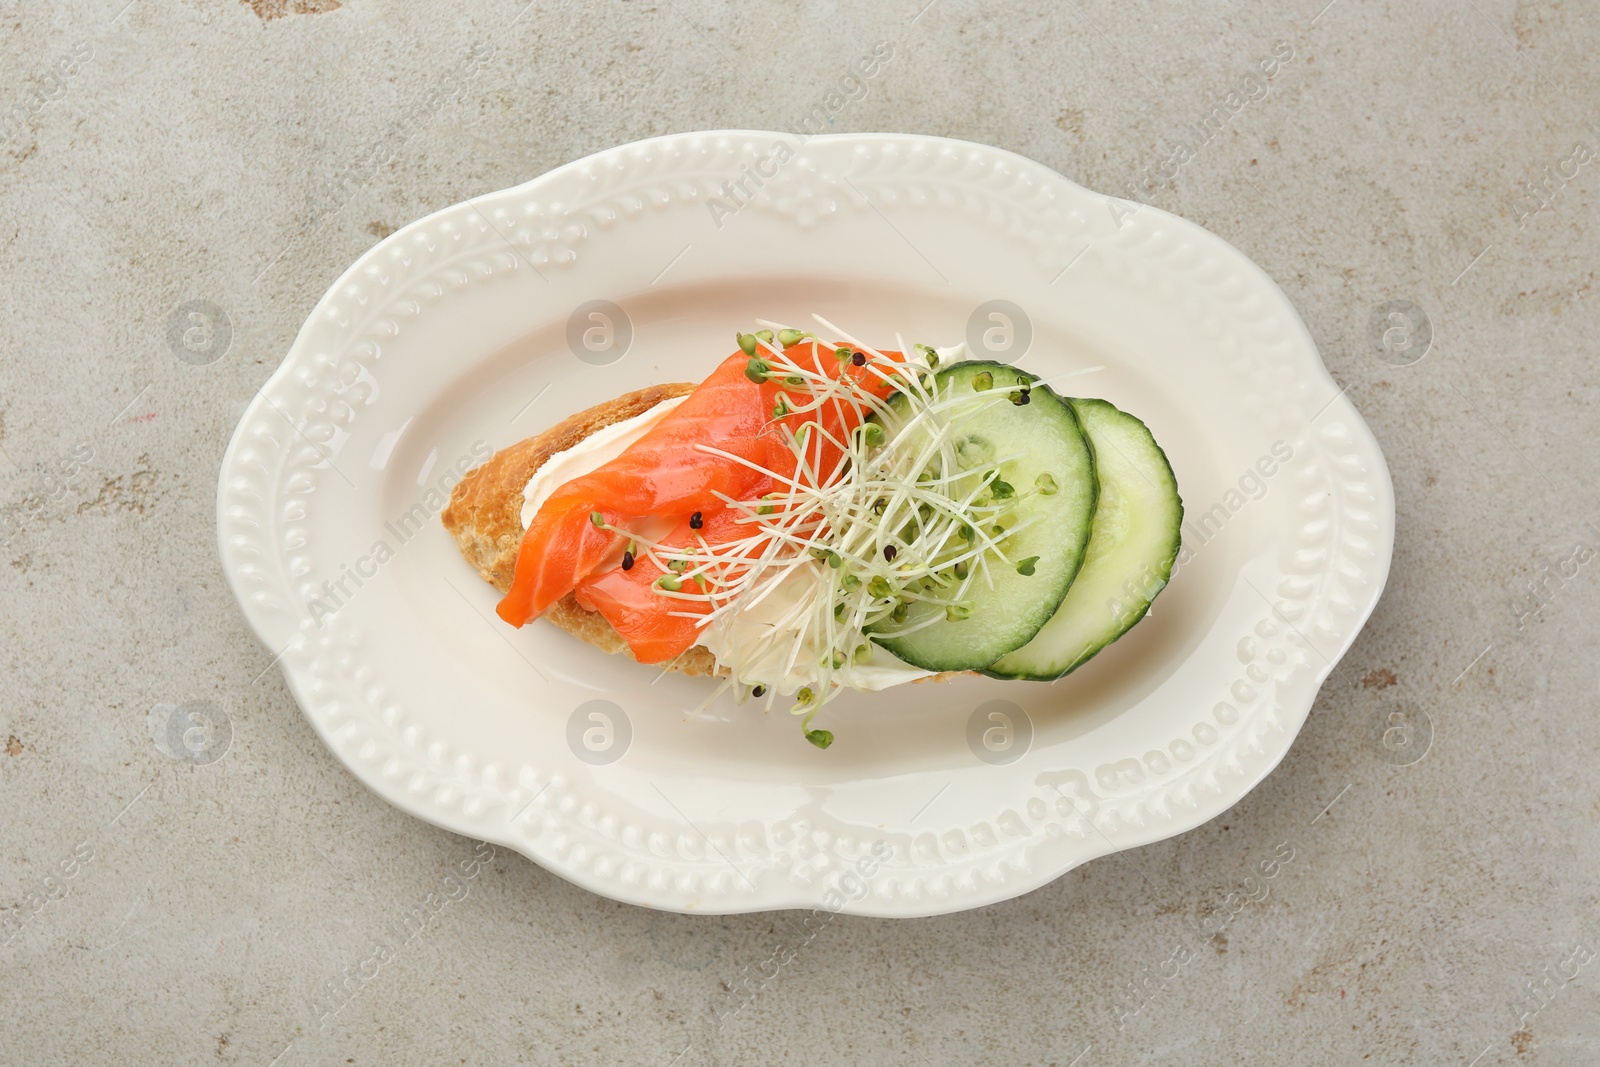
155	154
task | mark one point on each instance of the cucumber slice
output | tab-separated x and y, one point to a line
1134	542
1043	433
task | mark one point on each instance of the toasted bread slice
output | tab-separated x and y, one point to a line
485	516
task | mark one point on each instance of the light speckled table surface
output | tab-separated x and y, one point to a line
1430	904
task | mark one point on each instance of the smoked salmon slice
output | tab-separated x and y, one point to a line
657	626
668	476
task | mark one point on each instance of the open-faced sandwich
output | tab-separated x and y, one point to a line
821	515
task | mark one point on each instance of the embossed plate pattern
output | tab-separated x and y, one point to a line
450	338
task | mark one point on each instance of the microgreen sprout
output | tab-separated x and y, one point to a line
888	516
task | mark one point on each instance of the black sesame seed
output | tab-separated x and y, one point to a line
759	691
889	552
627	561
696	521
858	358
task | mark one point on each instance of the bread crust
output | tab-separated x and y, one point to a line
485	516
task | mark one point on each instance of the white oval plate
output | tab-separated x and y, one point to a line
450	338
